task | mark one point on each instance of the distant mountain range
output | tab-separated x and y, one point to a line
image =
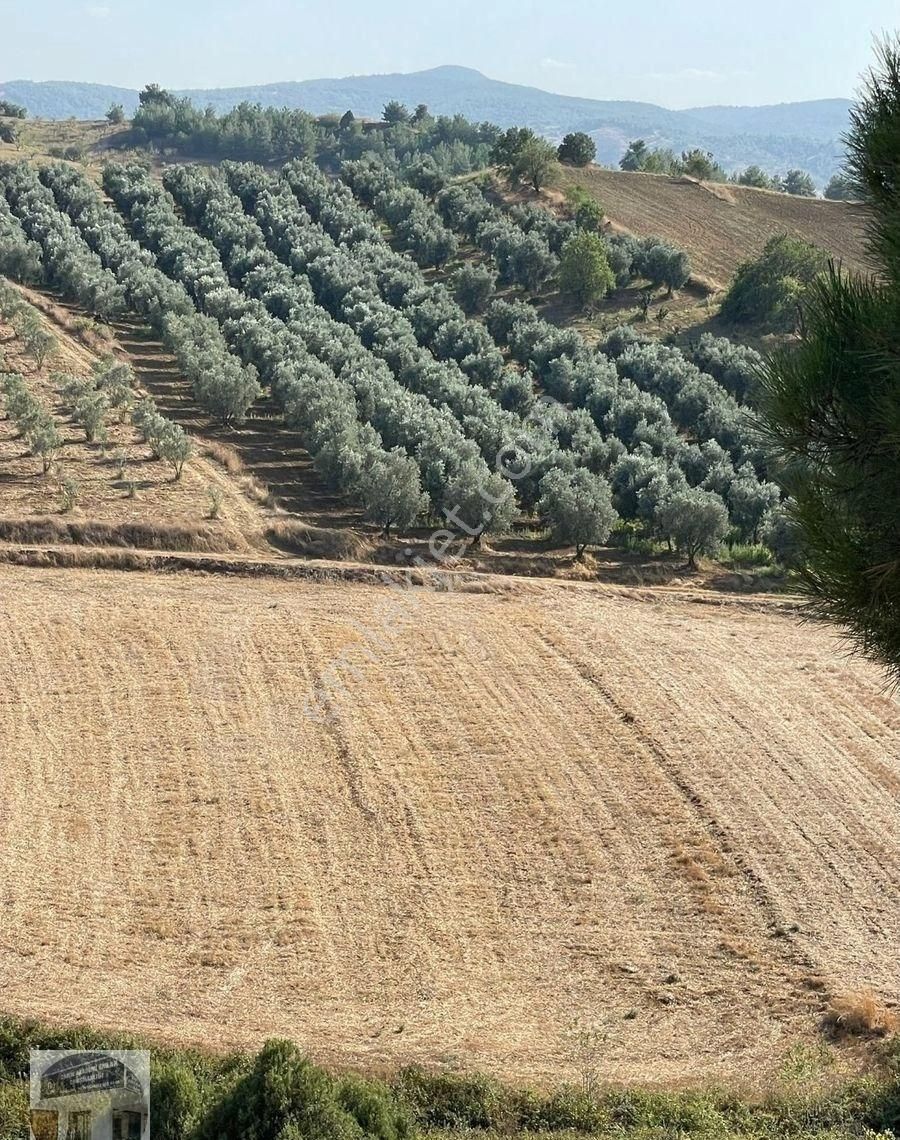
806	135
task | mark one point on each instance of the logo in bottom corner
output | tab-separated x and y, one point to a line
89	1095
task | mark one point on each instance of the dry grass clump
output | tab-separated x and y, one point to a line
49	531
258	491
229	458
318	542
225	455
860	1014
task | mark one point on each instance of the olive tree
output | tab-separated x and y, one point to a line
473	287
696	522
40	343
90	412
663	264
175	447
478	501
391	490
44	440
578	506
535	163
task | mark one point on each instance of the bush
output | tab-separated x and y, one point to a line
177	1100
68	494
13	1111
770	291
280	1095
449	1100
589	215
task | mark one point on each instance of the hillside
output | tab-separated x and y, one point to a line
526	815
719	225
776	137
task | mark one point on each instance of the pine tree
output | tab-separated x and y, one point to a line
832	406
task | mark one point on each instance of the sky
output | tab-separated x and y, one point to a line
678	53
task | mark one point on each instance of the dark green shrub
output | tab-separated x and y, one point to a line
567	1109
374	1108
13	1111
449	1100
280	1095
770	291
177	1099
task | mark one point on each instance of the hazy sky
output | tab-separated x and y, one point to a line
678	53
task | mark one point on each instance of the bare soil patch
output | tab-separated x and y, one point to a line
678	824
722	226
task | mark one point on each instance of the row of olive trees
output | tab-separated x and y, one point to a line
527	241
202	200
68	264
343	283
521	258
297	378
707	388
654	459
168	441
20	258
245	261
37	340
95	240
110	390
736	367
748	523
298	349
570	440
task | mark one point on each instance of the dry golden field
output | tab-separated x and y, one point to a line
720	225
528	817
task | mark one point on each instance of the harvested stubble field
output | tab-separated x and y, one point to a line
527	817
721	225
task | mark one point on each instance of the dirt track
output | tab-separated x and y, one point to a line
663	820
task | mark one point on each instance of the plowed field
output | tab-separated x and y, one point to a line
522	818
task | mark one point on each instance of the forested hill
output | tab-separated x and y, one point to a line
805	135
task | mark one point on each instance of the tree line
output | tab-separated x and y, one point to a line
702	164
267	134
